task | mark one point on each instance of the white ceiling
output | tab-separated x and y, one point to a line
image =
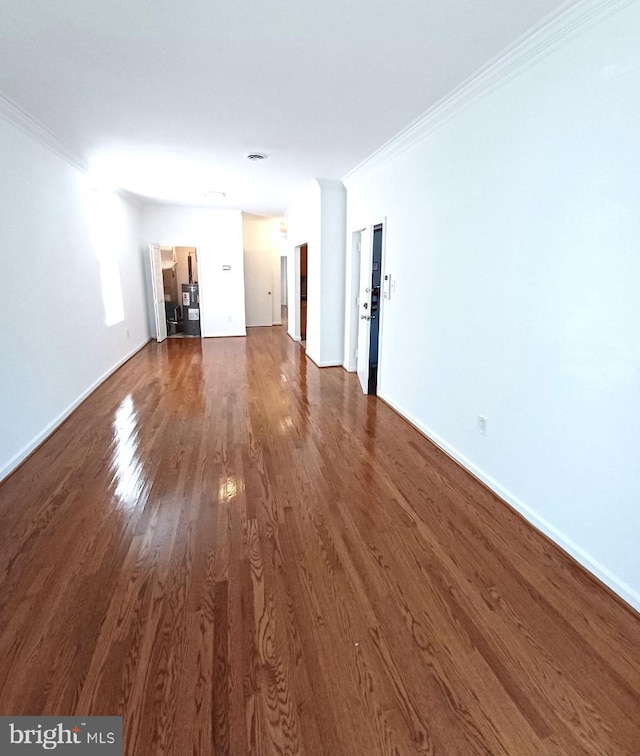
164	98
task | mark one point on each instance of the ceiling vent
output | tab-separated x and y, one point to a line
255	156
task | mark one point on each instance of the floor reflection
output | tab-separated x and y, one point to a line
128	471
228	489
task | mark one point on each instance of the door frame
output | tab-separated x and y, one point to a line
295	330
364	305
303	336
284	281
151	292
382	298
355	274
157	293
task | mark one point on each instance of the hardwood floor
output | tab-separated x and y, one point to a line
241	553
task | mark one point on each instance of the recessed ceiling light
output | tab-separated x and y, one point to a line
256	156
215	195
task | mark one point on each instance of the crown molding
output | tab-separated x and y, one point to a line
33	128
330	184
570	19
29	125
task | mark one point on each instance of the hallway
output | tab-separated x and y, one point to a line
241	553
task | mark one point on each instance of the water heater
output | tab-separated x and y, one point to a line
190	309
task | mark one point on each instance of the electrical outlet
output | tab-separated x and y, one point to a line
482	425
127	333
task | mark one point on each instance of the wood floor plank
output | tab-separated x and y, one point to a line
240	553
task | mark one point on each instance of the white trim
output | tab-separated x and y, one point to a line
35	442
622	589
381	299
329	363
569	20
383	259
29	125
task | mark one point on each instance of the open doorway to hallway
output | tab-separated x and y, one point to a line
263	243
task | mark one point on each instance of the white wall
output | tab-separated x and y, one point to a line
333	229
263	246
352	293
303	221
59	241
284	278
217	235
317	219
512	235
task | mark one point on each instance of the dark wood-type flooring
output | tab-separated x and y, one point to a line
241	553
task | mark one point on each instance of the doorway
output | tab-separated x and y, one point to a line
370	309
374	330
183	308
176	291
259	283
303	294
284	291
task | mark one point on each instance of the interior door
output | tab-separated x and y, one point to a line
364	309
157	285
258	286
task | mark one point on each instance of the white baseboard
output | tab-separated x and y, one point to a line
327	363
35	442
224	334
618	586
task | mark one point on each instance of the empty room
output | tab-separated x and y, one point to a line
320	378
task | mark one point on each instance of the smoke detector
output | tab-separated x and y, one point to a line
256	156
